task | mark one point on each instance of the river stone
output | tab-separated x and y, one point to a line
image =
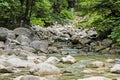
29	77
23	38
110	61
95	78
36	59
44	69
90	71
68	59
17	62
52	60
52	49
29	49
22	31
4	69
40	45
96	64
2	45
115	69
3	33
106	42
11	35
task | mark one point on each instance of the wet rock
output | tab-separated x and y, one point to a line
68	59
115	69
52	60
22	31
40	45
29	77
95	78
45	69
96	64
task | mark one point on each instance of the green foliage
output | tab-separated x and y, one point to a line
103	14
39	12
37	21
65	14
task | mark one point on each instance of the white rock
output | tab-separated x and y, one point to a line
68	59
95	78
89	71
96	64
30	77
45	69
52	60
17	62
115	69
110	60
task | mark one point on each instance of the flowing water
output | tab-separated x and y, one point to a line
74	71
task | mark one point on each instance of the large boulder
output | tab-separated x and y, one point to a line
11	35
3	34
23	38
22	31
40	45
2	45
115	69
17	62
95	78
52	60
29	77
44	69
4	69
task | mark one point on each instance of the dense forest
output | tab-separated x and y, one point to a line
102	14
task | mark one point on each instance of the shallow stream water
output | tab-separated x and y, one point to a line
74	71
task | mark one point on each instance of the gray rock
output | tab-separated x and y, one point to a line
3	34
4	69
52	60
17	62
29	49
68	59
29	77
106	42
45	69
115	69
11	35
96	64
95	78
40	46
2	45
23	38
22	31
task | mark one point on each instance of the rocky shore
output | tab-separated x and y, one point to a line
26	50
